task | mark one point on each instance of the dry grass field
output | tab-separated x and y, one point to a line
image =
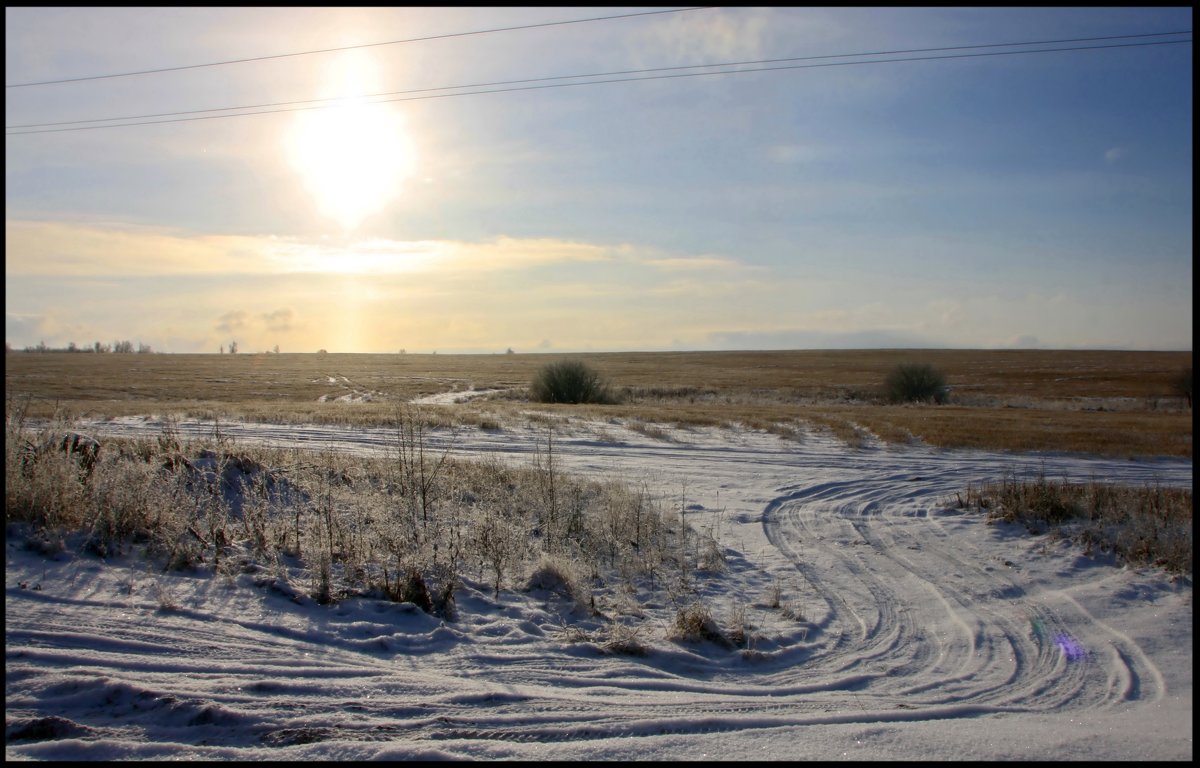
1104	402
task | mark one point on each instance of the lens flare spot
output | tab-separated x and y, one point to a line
1070	647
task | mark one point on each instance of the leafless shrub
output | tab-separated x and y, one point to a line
614	638
412	589
442	601
623	640
1182	385
694	622
711	558
775	595
499	541
793	613
570	381
167	602
555	575
321	574
740	630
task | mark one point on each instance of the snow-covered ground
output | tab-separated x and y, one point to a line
915	630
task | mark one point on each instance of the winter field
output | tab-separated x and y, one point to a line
790	588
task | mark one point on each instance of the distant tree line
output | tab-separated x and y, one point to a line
119	347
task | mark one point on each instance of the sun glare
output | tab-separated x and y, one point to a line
353	157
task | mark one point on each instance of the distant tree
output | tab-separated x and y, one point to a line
222	349
123	347
99	348
321	352
277	349
144	349
509	351
71	347
233	347
404	351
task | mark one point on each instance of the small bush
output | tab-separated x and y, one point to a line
915	382
554	575
415	591
570	381
442	601
694	623
620	639
1183	385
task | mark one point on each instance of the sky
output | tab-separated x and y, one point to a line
491	201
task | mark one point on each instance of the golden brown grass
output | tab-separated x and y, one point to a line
1146	525
1104	402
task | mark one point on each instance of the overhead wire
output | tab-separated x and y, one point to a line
351	47
343	99
404	95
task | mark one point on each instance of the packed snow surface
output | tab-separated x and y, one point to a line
917	630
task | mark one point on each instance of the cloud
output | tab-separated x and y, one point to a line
809	339
19	326
706	35
1113	154
232	322
263	330
456	295
693	263
113	250
279	321
110	250
57	327
790	154
1024	341
946	313
58	249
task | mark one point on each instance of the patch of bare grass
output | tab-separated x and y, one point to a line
694	623
1150	525
653	431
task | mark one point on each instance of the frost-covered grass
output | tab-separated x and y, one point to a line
1143	525
408	526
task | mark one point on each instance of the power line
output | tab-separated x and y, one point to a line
350	47
592	75
614	80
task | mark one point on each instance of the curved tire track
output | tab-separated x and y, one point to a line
902	592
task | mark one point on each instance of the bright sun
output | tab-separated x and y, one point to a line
354	156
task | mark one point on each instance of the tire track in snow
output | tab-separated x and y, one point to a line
999	647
